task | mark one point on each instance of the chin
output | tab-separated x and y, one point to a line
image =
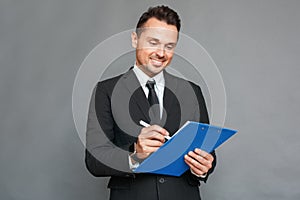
155	70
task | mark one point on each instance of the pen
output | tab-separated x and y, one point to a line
144	124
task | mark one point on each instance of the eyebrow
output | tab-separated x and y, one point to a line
157	40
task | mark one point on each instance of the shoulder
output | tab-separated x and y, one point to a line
110	81
107	85
182	81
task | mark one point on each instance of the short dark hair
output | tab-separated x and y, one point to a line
162	13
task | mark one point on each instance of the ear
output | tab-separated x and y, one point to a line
134	39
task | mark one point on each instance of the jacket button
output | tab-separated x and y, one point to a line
162	180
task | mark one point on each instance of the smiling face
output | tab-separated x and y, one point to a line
154	46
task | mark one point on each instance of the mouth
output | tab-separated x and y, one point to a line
157	62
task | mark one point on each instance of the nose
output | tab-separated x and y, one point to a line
160	51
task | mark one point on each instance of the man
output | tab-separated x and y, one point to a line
117	143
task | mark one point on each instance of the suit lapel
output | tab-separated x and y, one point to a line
170	87
172	112
137	94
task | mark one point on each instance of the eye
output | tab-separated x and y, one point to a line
152	42
170	47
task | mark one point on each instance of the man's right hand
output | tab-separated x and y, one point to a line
149	140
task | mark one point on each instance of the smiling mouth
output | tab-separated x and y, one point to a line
156	62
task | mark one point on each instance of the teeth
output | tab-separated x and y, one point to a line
156	62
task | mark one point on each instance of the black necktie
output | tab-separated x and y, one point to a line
152	98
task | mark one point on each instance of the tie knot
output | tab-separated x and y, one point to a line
150	84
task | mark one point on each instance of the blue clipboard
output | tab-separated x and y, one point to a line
169	158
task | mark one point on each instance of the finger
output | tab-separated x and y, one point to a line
195	166
203	161
195	163
148	149
197	171
153	143
204	154
152	135
159	129
200	152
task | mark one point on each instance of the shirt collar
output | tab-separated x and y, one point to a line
143	78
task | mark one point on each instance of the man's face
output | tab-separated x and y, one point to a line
155	46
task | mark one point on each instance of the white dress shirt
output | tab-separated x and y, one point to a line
159	85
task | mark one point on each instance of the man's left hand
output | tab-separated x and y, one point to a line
199	161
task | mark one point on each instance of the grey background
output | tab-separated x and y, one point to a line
42	44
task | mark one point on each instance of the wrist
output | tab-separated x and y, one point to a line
134	156
198	175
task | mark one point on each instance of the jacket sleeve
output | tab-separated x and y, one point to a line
103	157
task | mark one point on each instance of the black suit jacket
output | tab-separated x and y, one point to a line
117	105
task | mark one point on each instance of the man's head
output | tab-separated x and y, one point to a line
155	39
162	13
